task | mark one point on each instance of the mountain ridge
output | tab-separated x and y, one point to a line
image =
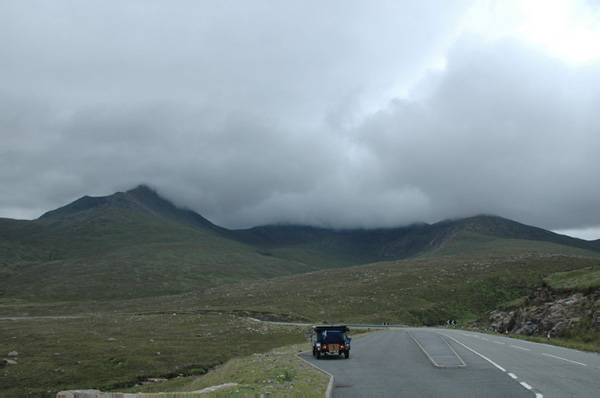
140	244
140	199
362	245
150	201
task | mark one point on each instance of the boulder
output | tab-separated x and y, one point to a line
548	314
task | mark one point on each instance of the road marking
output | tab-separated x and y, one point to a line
564	359
483	338
499	342
520	348
460	364
475	352
527	386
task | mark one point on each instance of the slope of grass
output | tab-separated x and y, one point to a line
139	256
278	372
577	280
112	351
471	243
420	291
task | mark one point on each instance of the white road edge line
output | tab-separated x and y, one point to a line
564	359
537	395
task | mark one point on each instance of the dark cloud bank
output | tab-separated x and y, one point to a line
295	122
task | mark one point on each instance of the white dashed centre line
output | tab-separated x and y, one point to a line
520	348
527	386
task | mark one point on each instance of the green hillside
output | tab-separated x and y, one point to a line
120	247
137	244
426	290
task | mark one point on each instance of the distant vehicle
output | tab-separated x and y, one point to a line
331	340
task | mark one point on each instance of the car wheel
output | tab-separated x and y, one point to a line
347	354
318	354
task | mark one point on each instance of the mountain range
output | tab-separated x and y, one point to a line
137	244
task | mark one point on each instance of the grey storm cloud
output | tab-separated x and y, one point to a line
502	130
332	113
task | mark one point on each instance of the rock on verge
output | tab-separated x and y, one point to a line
548	314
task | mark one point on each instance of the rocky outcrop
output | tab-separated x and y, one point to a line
5	361
549	314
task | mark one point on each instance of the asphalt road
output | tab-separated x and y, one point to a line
550	370
450	363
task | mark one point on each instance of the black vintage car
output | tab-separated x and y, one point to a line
331	340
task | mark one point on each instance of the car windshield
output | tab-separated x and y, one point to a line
332	336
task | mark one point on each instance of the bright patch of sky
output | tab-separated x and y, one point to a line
581	233
567	28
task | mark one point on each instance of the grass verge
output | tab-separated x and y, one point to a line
278	372
110	352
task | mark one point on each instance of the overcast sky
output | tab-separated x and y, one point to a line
332	113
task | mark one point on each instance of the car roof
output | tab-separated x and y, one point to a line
321	328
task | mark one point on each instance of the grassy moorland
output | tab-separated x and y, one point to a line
113	351
116	344
422	291
278	372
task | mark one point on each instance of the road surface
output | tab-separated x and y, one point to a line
452	363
